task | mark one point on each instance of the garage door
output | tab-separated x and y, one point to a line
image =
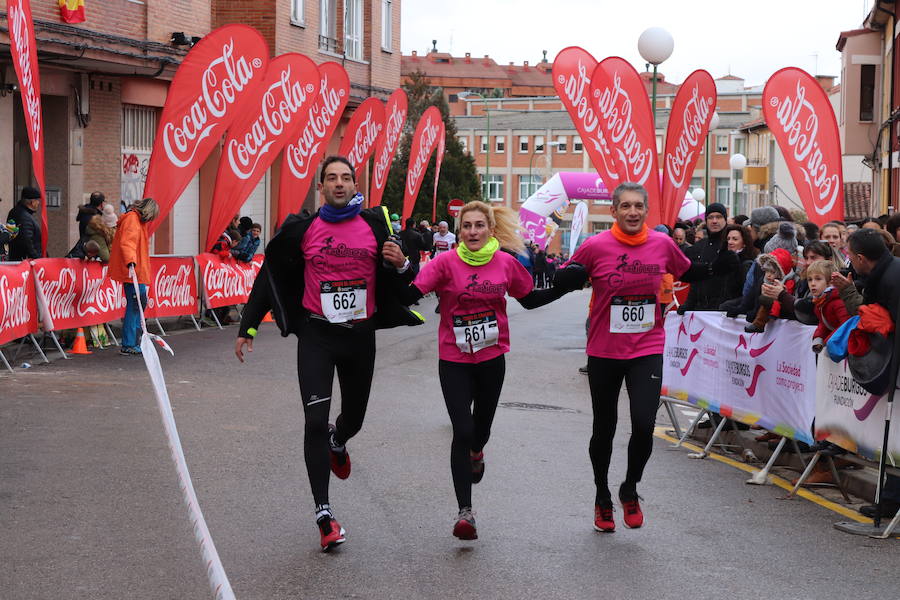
186	220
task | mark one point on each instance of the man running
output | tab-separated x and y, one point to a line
626	336
330	279
443	241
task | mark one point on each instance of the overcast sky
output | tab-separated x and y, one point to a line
750	39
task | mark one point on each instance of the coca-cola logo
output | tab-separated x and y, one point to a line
14	302
617	112
364	139
220	86
393	129
323	117
71	297
223	281
100	294
21	38
429	134
174	289
280	102
60	293
697	113
799	122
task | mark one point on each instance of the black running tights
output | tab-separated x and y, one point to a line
471	392
643	378
324	347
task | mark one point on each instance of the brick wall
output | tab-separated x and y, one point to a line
261	14
116	17
193	17
103	139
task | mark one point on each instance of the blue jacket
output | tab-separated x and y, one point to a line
246	248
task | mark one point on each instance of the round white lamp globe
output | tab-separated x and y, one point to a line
698	194
738	162
656	45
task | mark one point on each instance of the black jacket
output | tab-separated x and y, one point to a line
413	242
710	293
882	285
280	284
27	244
85	213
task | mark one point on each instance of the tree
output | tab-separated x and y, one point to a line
458	179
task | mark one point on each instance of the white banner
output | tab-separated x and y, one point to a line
851	417
761	379
578	221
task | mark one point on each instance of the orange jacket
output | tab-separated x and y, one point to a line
130	245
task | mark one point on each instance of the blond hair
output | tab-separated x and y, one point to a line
821	267
147	208
503	222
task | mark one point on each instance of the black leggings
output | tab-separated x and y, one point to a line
322	348
463	385
643	378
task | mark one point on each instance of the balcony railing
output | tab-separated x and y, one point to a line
327	43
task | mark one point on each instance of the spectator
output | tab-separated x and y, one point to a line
233	231
91	250
760	218
777	268
246	249
811	230
710	293
870	223
222	246
131	249
679	236
395	223
27	244
7	232
740	219
539	265
413	244
110	219
831	234
827	303
427	239
96	231
245	224
88	211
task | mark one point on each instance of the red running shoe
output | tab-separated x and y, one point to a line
477	467
631	506
603	518
340	458
332	533
465	525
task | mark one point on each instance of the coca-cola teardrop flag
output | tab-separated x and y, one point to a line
23	48
307	149
800	116
361	136
211	88
424	141
689	121
395	118
572	72
277	111
438	159
18	302
626	120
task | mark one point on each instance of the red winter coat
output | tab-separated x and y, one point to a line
831	312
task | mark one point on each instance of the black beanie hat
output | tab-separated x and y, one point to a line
30	193
717	207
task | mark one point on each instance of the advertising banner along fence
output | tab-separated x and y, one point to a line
226	281
18	302
174	289
395	118
424	141
759	379
800	116
77	293
23	48
363	133
211	88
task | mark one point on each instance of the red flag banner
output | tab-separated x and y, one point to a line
439	158
226	281
23	48
363	132
626	120
281	107
78	293
689	121
71	11
18	302
424	141
173	292
302	155
799	114
395	118
213	85
573	69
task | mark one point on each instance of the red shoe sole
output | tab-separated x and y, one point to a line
465	531
340	471
608	529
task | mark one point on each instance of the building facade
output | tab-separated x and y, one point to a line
104	83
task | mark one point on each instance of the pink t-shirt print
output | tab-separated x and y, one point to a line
626	280
473	304
340	266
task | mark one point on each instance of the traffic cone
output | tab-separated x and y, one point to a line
268	318
79	346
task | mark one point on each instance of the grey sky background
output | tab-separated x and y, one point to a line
748	39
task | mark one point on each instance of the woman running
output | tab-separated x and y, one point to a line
626	337
473	335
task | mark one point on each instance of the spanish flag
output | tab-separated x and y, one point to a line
72	11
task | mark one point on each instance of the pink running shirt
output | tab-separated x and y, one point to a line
473	303
626	280
340	263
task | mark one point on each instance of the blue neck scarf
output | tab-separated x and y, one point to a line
334	215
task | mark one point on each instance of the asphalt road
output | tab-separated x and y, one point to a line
90	506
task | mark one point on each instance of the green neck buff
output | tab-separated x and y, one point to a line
479	257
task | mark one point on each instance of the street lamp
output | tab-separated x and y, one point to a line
655	45
737	162
713	125
531	160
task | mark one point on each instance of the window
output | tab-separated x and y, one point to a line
659	144
138	127
328	25
528	185
500	144
561	143
538	143
721	144
484	144
387	22
598	226
867	93
723	187
577	146
523	143
297	12
464	143
492	188
353	29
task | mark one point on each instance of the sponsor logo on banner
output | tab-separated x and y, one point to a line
79	293
395	111
689	122
363	132
424	141
802	120
18	305
211	88
226	281
174	289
